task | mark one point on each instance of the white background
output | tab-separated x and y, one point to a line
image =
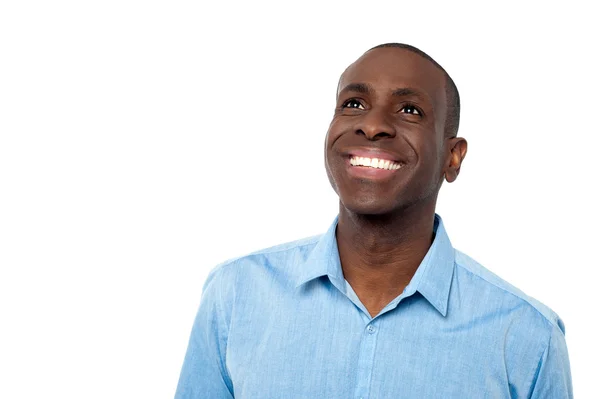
143	142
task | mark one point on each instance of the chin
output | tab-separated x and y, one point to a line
367	206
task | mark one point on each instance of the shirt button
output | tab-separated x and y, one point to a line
371	329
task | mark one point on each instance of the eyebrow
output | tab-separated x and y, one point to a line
362	88
407	92
365	88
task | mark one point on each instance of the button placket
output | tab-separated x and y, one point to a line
365	361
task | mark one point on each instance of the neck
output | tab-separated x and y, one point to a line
380	253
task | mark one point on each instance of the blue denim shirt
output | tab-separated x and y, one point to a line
284	323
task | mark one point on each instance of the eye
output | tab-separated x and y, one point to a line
411	110
352	103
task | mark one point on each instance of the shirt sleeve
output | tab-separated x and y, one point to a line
553	380
204	374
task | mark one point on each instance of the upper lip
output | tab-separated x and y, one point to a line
373	153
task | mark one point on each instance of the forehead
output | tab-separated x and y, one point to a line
389	69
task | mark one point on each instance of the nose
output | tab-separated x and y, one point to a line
375	125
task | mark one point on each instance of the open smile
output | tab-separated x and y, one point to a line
372	168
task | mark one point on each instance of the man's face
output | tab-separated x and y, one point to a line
391	105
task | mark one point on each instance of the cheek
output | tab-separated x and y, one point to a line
433	160
330	137
427	158
334	132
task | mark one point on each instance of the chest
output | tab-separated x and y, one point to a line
329	348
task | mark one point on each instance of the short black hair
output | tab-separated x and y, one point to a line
452	96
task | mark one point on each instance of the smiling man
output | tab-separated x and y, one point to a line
381	305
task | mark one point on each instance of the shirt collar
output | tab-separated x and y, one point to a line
432	279
323	260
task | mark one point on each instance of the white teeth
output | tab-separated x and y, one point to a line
374	163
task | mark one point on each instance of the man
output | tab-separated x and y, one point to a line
381	305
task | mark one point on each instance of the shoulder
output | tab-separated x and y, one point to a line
507	293
529	335
277	261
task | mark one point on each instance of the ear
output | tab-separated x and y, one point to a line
458	151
